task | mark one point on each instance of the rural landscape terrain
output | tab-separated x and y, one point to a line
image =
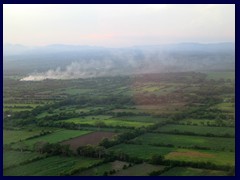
119	90
176	123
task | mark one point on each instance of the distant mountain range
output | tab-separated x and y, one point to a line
94	60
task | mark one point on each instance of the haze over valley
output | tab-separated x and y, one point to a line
119	90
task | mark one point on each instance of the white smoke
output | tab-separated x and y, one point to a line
73	71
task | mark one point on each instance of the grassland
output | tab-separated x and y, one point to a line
187	141
187	171
52	166
202	130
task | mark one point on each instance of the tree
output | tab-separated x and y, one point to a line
65	149
22	146
100	124
99	151
156	159
38	146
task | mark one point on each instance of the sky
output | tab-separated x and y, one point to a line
117	25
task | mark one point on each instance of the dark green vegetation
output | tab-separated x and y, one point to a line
197	130
139	170
151	124
52	166
182	171
104	169
186	141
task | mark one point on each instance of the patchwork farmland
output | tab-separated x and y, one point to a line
169	124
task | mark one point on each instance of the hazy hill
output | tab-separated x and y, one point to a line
95	61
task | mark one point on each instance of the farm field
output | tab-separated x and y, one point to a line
93	138
221	75
201	130
148	122
107	122
141	151
187	171
11	136
52	166
207	122
217	143
16	109
141	119
14	158
55	137
102	169
216	157
226	107
19	107
139	170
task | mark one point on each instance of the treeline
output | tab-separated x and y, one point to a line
52	149
188	133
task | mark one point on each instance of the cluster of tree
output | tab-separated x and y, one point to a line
121	156
122	138
94	101
53	149
175	131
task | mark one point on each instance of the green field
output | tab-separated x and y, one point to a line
216	157
12	158
226	107
101	169
55	137
187	171
10	136
203	122
139	170
18	107
73	91
187	141
221	75
187	118
52	166
141	119
202	130
141	151
32	105
108	122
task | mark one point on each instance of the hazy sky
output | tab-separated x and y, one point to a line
117	25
